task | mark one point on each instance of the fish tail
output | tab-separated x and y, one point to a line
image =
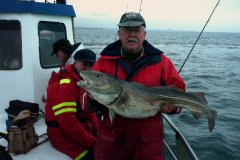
211	119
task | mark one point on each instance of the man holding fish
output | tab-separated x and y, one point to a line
133	59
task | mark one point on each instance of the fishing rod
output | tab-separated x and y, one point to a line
198	37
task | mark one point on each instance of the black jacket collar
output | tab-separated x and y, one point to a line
114	48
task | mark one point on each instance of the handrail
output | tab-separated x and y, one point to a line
169	149
181	138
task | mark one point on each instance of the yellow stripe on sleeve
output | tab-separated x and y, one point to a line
64	110
62	81
64	104
81	155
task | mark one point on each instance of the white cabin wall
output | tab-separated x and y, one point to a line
17	84
30	82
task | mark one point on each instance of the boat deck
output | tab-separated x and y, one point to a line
41	152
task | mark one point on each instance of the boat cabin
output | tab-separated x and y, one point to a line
27	31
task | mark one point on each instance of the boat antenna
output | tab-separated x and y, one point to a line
116	36
117	33
198	36
126	9
140	8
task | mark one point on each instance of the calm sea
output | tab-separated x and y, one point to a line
213	67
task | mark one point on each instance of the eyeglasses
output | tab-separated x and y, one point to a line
135	30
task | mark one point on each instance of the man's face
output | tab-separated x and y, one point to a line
82	66
61	56
132	38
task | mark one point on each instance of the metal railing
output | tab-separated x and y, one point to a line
181	143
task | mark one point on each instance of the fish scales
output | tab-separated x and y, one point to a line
134	100
128	106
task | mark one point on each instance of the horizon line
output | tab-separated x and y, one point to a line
157	29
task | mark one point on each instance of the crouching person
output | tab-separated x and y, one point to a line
71	128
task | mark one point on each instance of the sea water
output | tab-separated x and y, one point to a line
213	67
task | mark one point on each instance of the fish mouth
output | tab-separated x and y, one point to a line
84	81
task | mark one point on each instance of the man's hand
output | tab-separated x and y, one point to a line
166	108
44	98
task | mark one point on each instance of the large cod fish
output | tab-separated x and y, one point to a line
133	100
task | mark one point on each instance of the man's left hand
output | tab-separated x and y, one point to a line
168	109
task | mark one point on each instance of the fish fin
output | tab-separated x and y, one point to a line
211	122
111	115
200	96
196	114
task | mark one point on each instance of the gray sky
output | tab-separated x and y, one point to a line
161	14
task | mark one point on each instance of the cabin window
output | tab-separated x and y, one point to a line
49	32
11	45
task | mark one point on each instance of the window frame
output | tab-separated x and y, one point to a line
15	40
54	62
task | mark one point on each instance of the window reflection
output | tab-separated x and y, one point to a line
11	45
49	32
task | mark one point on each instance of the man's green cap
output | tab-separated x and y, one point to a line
131	19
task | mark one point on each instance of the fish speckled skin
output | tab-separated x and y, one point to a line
134	100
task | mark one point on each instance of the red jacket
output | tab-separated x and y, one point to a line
70	126
135	139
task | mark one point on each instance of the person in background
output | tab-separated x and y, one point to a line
71	127
132	58
64	52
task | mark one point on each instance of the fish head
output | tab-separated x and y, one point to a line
102	87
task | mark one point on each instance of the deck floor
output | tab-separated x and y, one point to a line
41	152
